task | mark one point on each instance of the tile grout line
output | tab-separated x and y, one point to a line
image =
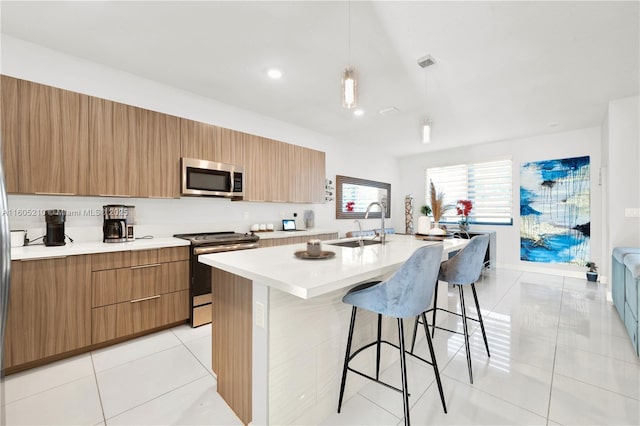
95	377
555	354
154	398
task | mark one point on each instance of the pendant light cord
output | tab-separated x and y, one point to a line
349	32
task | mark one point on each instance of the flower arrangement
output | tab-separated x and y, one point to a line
438	208
463	208
350	206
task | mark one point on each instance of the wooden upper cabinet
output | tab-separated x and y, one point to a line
317	175
204	141
199	140
10	142
114	148
159	165
52	128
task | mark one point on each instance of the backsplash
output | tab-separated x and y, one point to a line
159	217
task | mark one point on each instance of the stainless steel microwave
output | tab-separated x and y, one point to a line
201	177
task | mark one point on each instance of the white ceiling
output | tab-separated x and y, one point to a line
504	69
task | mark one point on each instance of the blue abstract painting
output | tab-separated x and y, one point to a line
554	211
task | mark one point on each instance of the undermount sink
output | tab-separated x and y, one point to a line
354	243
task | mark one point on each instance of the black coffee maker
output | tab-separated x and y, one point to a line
114	226
55	227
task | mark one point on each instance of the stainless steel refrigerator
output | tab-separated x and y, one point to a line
5	265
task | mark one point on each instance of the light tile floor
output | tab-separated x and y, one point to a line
559	356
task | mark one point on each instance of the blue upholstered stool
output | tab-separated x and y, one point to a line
405	294
461	270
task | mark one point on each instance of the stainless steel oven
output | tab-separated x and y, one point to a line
200	280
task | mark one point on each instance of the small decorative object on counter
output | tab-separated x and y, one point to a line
592	273
408	214
309	219
463	208
438	208
314	247
350	206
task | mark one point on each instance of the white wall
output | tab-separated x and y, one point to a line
622	148
560	145
32	62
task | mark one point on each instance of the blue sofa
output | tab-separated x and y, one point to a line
625	289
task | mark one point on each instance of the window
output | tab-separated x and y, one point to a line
487	185
353	195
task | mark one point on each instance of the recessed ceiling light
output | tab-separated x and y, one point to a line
359	112
274	73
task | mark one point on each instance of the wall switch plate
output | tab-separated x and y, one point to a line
631	212
246	215
259	315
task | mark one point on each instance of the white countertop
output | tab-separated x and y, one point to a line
78	248
267	235
279	268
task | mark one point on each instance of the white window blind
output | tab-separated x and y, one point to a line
488	185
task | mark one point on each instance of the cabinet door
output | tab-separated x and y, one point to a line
159	155
10	143
232	147
258	168
53	140
114	148
49	308
316	176
199	140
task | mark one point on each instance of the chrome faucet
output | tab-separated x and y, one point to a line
382	211
360	240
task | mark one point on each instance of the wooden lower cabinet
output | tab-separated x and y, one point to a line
59	307
49	308
151	293
151	312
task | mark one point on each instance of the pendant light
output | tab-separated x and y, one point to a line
349	82
425	62
426	130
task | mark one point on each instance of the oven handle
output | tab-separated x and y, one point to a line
227	247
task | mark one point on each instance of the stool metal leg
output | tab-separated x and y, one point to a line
346	356
403	367
435	309
466	332
415	333
484	334
378	346
433	361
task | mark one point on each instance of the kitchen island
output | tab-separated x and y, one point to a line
280	327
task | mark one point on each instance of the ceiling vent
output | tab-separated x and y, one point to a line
389	111
425	61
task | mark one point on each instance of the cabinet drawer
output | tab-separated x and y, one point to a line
631	292
124	259
175	276
173	254
103	287
631	323
118	259
140	281
155	311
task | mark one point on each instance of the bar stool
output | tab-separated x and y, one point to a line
461	270
405	294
